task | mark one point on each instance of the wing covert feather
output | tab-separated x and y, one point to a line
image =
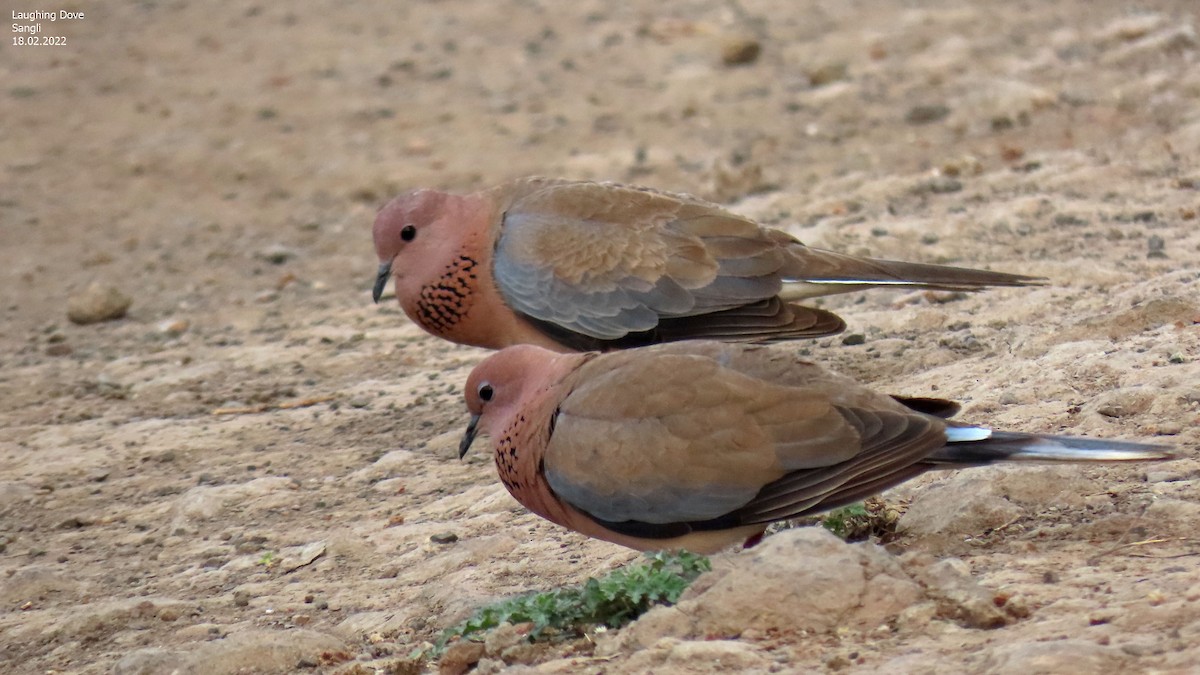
606	260
678	438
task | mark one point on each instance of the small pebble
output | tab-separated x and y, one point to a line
418	146
1168	429
98	302
173	327
276	254
830	72
461	656
444	538
943	185
837	662
1155	247
942	297
926	114
75	523
739	51
854	339
1068	219
59	349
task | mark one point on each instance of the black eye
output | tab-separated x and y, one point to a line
485	392
408	233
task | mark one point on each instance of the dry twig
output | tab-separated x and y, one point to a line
264	407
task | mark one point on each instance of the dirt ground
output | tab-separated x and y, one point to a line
243	474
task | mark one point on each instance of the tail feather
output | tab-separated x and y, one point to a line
815	272
1003	446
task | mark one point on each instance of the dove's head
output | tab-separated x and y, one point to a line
412	234
511	383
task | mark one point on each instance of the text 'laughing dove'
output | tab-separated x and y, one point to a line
701	444
576	266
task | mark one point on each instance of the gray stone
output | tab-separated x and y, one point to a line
13	495
149	661
1078	657
707	656
648	629
276	254
1173	516
959	597
36	582
207	502
259	651
1124	402
740	50
460	657
805	579
966	503
926	114
98	302
719	655
292	558
502	637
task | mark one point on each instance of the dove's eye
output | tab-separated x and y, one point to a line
485	392
408	233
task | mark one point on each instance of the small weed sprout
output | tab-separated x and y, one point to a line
611	601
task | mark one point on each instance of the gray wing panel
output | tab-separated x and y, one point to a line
604	309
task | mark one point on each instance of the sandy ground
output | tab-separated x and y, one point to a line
243	474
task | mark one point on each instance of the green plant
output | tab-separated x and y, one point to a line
845	521
612	601
873	518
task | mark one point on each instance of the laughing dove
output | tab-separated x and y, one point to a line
701	444
577	266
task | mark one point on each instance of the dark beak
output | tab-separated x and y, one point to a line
468	438
381	279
